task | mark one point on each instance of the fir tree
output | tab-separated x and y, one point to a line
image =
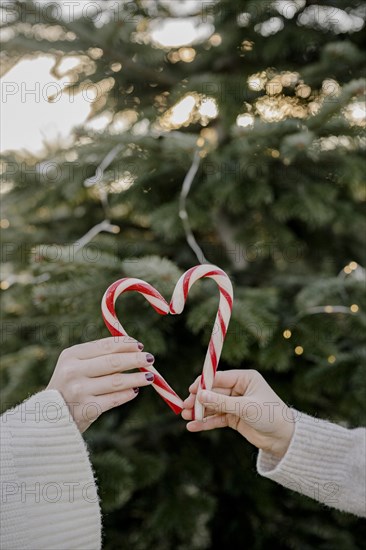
278	202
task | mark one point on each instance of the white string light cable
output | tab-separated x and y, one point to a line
105	225
97	179
183	214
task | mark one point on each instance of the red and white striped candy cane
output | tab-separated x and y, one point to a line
177	303
116	329
222	319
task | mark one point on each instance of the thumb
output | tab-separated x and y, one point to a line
227	403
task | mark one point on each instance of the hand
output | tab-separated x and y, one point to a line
92	377
242	400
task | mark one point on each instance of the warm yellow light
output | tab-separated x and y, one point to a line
274	86
314	107
200	141
208	108
289	79
354	308
210	136
287	334
358	111
330	87
174	57
192	108
71	156
275	154
273	108
247	45
68	63
245	120
257	81
4	285
181	112
347	269
299	350
116	67
328	309
187	54
215	40
95	53
124	182
174	32
4	224
122	121
353	265
355	113
303	91
331	359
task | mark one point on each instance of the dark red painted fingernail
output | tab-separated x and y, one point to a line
150	358
136	390
140	346
149	376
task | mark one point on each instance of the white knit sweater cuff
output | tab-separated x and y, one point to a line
324	461
55	486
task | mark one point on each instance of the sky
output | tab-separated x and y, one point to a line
29	118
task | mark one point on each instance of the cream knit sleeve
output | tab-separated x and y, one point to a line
324	461
48	493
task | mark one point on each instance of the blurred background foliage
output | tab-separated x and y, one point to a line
271	95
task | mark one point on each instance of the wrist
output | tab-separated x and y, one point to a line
284	436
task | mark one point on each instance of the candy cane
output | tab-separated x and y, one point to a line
177	304
222	319
116	329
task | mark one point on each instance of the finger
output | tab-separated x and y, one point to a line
226	404
212	422
116	362
229	379
118	382
101	403
237	381
105	346
225	379
189	402
115	399
194	386
188	413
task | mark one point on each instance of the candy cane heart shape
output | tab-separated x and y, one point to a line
221	323
177	304
116	329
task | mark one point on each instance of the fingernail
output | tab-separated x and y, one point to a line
149	376
140	346
136	390
150	358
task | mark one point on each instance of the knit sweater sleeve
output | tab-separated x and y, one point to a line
324	461
48	493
